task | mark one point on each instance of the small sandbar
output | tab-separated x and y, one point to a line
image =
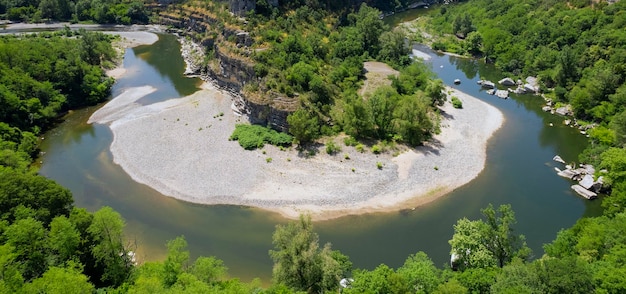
180	147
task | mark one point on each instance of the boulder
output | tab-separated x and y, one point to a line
563	111
502	94
530	88
567	173
488	85
491	91
586	182
546	108
558	159
506	82
584	192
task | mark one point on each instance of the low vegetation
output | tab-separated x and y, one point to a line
253	136
456	102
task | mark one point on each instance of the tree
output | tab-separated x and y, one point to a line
63	239
60	280
303	125
502	243
392	46
370	26
175	263
109	250
420	273
381	280
480	244
299	263
27	237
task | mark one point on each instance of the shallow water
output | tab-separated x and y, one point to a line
519	171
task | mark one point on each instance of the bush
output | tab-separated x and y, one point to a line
376	149
360	148
254	136
350	141
379	165
332	148
456	103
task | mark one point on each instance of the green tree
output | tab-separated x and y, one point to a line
299	263
63	239
392	47
60	280
109	250
303	125
27	237
420	273
176	261
382	279
480	244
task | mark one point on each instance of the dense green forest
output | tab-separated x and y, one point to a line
310	56
50	246
105	12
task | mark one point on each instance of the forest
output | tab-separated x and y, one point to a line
577	49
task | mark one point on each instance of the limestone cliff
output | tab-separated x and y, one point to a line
230	67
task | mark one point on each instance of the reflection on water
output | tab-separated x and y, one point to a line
518	171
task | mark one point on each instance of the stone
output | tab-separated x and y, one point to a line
586	182
584	192
502	94
546	108
488	85
558	159
563	111
506	82
530	88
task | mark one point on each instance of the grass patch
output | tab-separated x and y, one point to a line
253	136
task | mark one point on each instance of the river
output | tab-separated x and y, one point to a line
519	171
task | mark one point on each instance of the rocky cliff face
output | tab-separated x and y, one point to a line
241	7
232	71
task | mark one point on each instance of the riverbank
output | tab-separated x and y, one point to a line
180	147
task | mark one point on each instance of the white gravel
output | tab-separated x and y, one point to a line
180	147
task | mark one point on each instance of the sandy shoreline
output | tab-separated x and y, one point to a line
180	148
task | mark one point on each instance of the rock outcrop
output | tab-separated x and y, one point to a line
230	68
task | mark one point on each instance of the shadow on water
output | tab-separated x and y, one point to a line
519	171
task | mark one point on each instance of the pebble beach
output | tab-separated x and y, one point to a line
180	148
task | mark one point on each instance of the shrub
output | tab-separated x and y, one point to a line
268	160
360	148
332	148
254	136
379	165
350	141
456	103
376	149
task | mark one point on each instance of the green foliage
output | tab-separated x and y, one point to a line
300	264
254	136
381	280
420	273
332	148
59	280
579	52
303	125
456	102
110	250
490	243
40	77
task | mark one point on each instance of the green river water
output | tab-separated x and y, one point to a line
519	171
